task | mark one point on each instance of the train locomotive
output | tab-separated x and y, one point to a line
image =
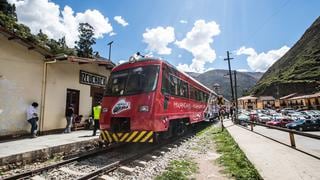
149	99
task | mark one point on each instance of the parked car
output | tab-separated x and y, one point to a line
277	116
287	110
304	125
243	118
311	114
298	116
280	122
262	118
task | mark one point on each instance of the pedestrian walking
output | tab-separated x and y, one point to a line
69	118
96	117
231	113
32	118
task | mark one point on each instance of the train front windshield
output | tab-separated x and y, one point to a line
133	81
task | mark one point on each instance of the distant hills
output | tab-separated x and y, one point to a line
246	80
298	71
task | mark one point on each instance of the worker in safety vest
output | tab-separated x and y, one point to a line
96	117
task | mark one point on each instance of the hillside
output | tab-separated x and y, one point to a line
298	71
246	80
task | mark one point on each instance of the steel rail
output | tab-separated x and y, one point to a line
108	168
37	171
115	165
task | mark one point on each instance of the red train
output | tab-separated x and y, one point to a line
148	99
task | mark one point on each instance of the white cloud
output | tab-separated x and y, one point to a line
183	21
198	41
56	23
121	21
158	39
112	34
150	55
261	62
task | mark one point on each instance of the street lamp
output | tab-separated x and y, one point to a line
109	44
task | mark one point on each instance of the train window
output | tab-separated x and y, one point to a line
132	81
173	85
165	81
117	83
183	89
192	93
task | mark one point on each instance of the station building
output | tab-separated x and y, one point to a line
294	100
310	101
266	102
247	102
261	102
29	73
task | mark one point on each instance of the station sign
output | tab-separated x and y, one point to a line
92	79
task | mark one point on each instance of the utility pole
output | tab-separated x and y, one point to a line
236	93
230	75
109	44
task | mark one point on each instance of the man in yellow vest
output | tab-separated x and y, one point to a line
96	117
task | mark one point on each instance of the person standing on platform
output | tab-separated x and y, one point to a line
32	118
96	117
69	118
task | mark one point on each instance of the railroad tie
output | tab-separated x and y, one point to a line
105	177
149	157
126	170
140	163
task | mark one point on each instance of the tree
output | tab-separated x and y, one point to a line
8	9
86	40
42	38
59	47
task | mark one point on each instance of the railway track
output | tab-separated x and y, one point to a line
104	161
31	173
96	163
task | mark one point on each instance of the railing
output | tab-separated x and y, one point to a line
291	132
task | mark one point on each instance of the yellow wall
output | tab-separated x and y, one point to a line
259	105
63	75
277	103
20	85
21	76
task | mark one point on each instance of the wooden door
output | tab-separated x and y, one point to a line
73	99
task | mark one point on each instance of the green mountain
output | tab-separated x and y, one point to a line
245	81
298	71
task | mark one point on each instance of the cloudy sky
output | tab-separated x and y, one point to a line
193	35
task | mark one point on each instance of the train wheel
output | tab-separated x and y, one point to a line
181	128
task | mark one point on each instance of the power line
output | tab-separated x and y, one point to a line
265	22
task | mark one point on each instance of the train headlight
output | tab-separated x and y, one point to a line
105	110
144	108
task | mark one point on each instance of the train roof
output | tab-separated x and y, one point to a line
161	60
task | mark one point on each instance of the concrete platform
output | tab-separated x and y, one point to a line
274	160
43	147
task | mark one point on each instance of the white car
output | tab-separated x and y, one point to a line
277	116
297	116
264	118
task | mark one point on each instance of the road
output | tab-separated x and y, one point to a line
306	144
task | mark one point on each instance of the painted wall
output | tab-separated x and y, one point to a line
20	84
60	76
